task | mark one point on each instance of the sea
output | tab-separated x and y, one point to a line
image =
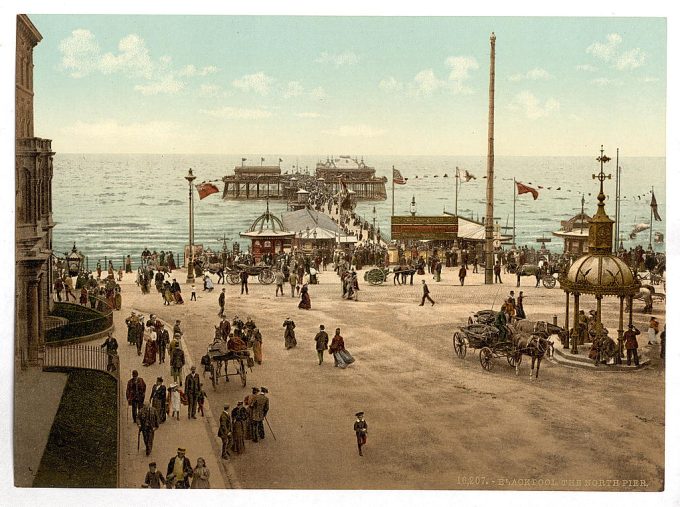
112	205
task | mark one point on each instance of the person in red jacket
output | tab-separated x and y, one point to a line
630	339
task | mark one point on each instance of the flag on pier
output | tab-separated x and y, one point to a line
466	176
205	189
397	177
655	208
525	189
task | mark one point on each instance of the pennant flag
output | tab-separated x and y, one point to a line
280	160
524	189
469	176
397	177
205	189
655	209
262	159
243	159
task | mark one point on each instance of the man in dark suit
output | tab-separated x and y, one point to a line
179	470
192	387
224	433
221	301
426	295
135	392
148	424
162	340
244	281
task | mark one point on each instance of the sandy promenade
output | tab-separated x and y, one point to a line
435	421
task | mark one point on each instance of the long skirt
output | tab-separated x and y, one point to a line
168	297
290	339
150	353
343	358
178	298
239	432
159	405
651	335
305	302
257	351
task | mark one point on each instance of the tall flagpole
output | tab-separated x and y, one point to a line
392	190
514	200
457	176
651	221
618	204
488	226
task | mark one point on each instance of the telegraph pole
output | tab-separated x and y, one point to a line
488	225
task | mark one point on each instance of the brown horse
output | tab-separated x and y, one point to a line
542	327
534	345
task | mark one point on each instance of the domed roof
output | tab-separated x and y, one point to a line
600	274
274	227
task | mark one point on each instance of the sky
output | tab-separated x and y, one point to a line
340	84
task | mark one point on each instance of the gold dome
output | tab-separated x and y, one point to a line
600	274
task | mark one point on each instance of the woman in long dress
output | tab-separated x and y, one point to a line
342	357
201	477
305	301
289	333
150	351
239	416
257	345
167	294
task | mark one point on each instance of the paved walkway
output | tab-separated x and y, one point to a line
199	436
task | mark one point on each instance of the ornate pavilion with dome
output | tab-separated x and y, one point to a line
599	273
268	236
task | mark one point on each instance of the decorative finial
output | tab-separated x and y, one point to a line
602	159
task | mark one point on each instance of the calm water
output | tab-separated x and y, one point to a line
114	205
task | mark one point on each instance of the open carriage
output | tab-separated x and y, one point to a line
218	359
487	340
264	274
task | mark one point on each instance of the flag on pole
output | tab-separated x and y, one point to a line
525	189
280	160
655	208
397	177
262	159
205	189
243	159
469	176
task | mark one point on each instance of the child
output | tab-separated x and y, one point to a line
193	293
153	478
201	399
174	400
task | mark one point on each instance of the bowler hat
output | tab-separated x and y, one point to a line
359	414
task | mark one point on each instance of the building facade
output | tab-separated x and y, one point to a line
33	210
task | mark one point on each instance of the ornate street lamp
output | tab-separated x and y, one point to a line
74	261
413	206
190	265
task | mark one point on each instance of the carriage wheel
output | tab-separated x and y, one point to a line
375	276
459	345
513	360
242	372
486	358
549	282
266	277
233	278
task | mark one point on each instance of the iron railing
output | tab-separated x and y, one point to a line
82	320
85	357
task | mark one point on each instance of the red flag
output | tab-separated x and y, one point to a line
205	189
655	208
397	177
524	189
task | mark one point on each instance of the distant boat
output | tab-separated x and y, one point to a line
416	176
436	176
426	176
446	175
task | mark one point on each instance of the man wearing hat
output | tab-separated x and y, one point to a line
158	398
321	340
135	393
630	340
176	361
192	387
177	330
139	336
221	301
224	433
259	408
179	469
361	429
163	339
148	424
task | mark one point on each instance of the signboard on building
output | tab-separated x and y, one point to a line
424	227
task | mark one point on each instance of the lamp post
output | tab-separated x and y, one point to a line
373	231
413	206
190	265
73	261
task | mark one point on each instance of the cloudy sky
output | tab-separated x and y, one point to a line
324	85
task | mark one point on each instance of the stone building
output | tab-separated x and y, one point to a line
33	207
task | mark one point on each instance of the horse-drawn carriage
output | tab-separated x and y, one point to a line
264	274
522	338
547	278
218	357
376	276
488	341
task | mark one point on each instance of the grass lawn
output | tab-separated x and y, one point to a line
81	448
